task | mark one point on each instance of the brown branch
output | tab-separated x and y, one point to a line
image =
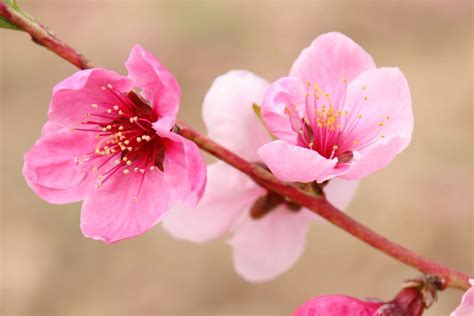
320	206
43	37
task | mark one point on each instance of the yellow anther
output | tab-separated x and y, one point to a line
109	127
387	117
109	111
126	171
366	98
120	128
355	142
380	123
129	162
109	86
125	158
95	106
116	107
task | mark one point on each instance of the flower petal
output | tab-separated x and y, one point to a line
228	114
340	192
125	206
337	305
379	106
50	168
73	97
375	158
228	196
292	163
269	246
328	61
158	85
467	303
282	96
184	168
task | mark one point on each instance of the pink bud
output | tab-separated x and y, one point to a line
337	305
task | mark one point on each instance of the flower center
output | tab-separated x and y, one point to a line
126	140
329	128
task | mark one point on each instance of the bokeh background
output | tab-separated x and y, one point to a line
422	200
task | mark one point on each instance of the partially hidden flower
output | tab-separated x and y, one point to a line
336	114
109	141
467	303
338	305
415	297
269	245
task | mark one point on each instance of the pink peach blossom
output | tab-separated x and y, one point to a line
262	248
337	305
109	141
336	115
467	303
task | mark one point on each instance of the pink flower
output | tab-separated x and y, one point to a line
336	115
467	303
338	305
109	141
266	247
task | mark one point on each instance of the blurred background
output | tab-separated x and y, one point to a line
422	200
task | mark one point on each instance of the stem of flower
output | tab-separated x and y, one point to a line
40	35
319	205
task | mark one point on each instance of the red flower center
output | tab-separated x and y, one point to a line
125	134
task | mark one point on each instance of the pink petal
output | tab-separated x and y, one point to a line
292	163
279	98
467	303
125	206
184	168
268	247
375	158
228	196
379	107
329	60
73	97
340	192
157	84
50	168
229	116
337	305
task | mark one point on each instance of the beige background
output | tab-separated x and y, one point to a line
422	200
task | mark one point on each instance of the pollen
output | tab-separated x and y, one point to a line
126	171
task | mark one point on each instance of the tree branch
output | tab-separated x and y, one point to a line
319	205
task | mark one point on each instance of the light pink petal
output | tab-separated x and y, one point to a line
228	196
228	114
337	305
278	103
157	84
125	206
340	192
379	107
184	168
375	158
73	98
330	61
269	246
467	303
51	168
292	163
